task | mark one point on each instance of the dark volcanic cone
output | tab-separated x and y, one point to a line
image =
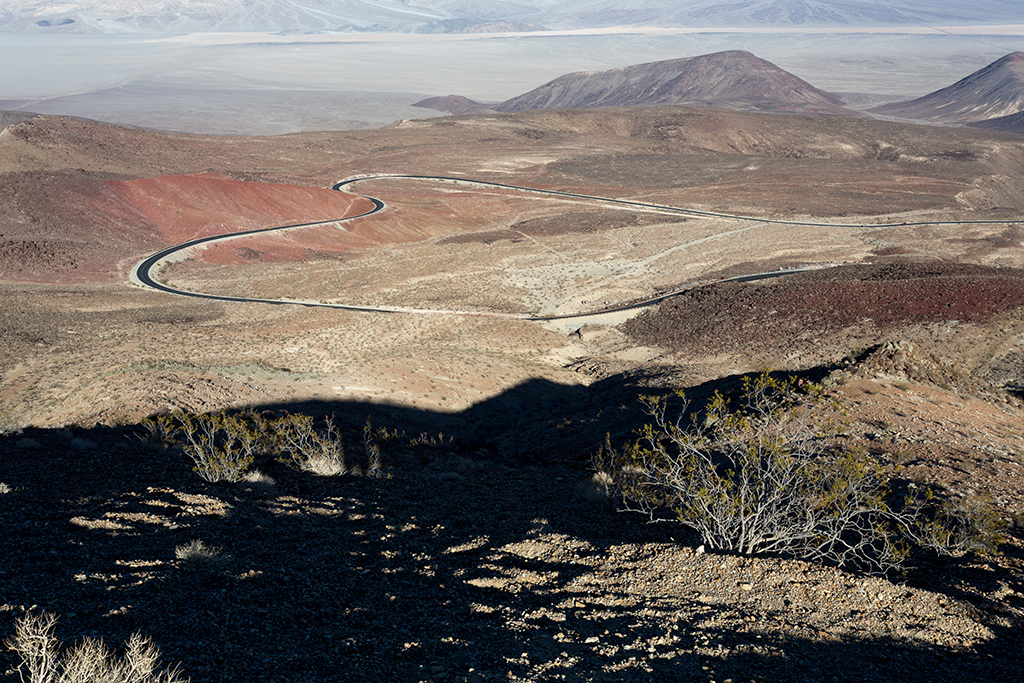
728	80
995	91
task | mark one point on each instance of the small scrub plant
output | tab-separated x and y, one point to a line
197	551
222	446
765	474
43	660
373	437
959	525
304	447
259	481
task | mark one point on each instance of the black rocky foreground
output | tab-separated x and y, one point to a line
457	565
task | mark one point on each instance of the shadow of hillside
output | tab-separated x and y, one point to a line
474	560
539	420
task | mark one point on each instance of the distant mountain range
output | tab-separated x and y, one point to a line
734	79
994	94
458	16
990	98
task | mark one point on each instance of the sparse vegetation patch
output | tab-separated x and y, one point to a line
224	445
765	473
43	660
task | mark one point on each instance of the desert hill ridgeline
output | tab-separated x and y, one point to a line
80	203
733	79
1013	123
994	92
455	104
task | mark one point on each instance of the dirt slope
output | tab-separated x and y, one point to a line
994	91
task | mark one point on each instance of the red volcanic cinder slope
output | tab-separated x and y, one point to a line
185	207
81	229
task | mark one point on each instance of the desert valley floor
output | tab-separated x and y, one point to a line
486	552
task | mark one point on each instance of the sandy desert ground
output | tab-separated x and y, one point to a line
487	557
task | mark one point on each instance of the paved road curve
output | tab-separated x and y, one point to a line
142	274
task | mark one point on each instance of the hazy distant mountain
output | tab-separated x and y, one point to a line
995	91
734	79
490	15
788	12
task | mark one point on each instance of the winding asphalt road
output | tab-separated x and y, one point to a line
142	273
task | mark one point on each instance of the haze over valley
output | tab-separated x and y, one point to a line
226	79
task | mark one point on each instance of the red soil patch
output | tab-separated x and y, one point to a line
67	227
184	207
733	317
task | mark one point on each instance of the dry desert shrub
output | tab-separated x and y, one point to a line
301	445
259	481
766	474
197	551
43	660
223	445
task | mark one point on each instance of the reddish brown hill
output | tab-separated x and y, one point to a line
75	228
184	207
734	79
839	304
995	91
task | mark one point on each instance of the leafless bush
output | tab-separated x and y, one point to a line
88	661
302	446
766	475
223	446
